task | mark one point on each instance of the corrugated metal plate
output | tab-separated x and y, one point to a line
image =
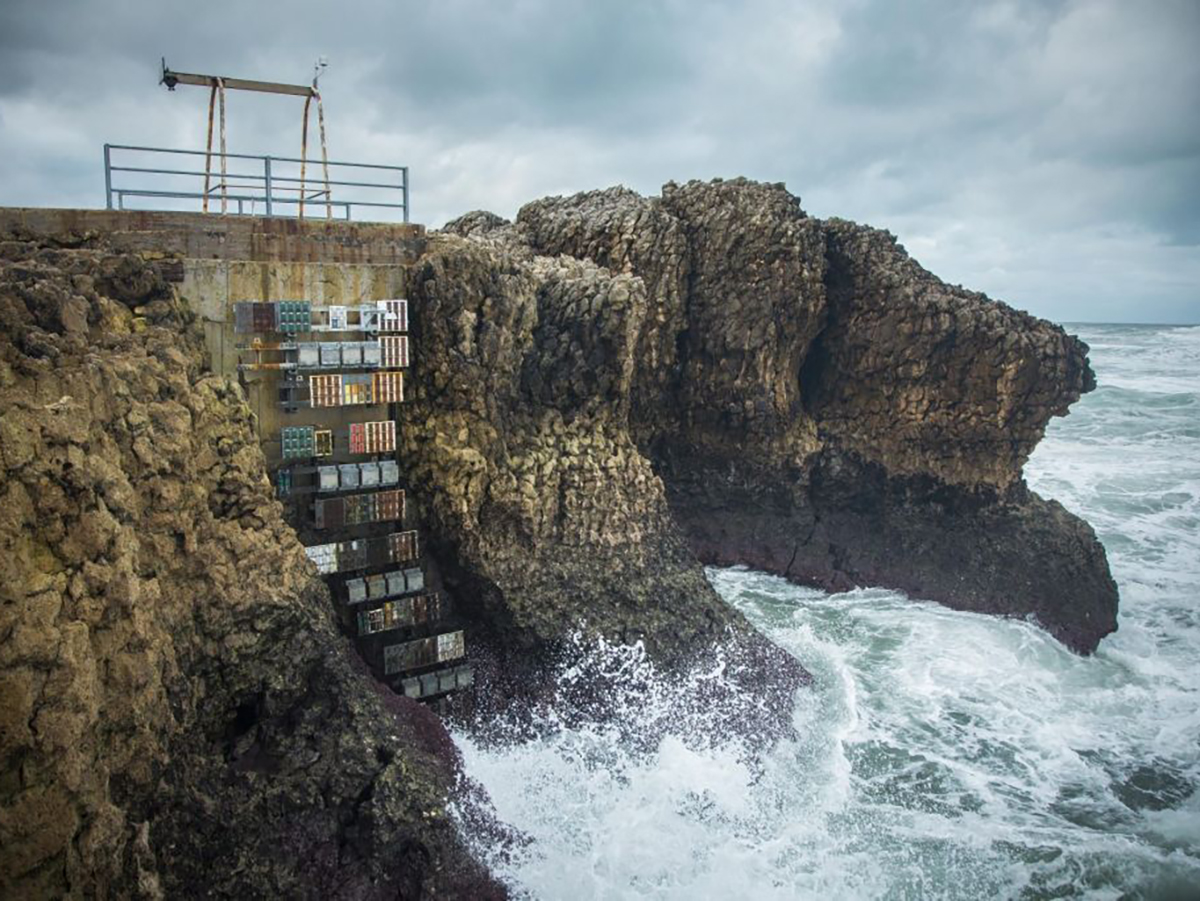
327	478
325	390
352	353
388	387
308	355
369	474
380	437
394	351
400	657
357	389
393	315
243	318
330	513
395	583
414	579
331	354
376	586
352	554
391	505
403	546
356	591
450	646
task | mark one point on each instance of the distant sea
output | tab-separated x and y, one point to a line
943	754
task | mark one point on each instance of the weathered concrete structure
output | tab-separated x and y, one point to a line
221	260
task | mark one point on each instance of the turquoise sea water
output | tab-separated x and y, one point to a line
943	754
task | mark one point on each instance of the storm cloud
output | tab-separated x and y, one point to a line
1045	152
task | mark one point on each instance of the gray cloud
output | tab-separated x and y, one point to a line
1046	152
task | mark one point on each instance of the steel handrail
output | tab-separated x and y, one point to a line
250	156
263	187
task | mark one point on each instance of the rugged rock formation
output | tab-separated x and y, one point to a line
820	406
544	514
178	715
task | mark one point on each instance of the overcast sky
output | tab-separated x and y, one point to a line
1045	152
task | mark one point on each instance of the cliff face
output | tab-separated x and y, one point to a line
818	405
545	515
178	715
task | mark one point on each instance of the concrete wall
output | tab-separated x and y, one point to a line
221	260
216	237
211	287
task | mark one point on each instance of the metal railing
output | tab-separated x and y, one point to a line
266	186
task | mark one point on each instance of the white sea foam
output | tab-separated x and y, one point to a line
941	754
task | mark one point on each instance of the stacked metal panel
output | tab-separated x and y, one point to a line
325	556
299	442
385	585
325	390
255	317
368	474
400	613
387	589
295	316
288	316
360	553
392	316
388	387
359	509
323	442
439	682
346	476
373	437
357	389
403	546
409	655
394	350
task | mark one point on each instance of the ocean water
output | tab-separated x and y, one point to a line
942	754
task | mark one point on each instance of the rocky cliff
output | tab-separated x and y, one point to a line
607	393
545	515
818	405
178	715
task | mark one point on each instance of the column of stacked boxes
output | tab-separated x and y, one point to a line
351	510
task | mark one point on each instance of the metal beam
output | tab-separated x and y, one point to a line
170	79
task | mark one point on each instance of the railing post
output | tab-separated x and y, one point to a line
406	193
108	176
267	178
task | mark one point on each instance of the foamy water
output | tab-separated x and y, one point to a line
943	754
